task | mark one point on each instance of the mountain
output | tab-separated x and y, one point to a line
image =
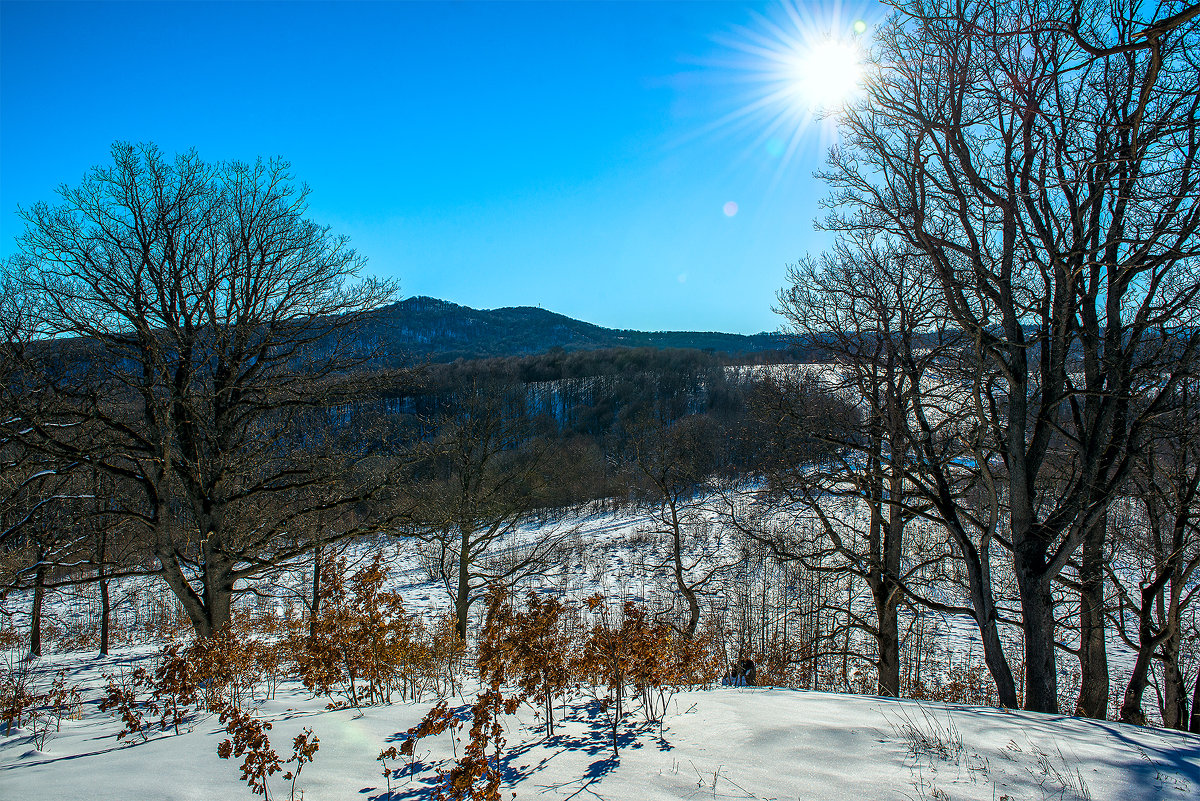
428	328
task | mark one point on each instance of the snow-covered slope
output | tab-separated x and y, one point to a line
727	743
724	743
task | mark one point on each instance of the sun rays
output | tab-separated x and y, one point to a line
794	71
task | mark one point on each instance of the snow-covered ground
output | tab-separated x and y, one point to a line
723	743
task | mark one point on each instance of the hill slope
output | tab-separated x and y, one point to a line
424	327
727	743
720	743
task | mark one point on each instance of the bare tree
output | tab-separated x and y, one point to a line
1159	545
196	332
34	488
876	313
674	461
477	480
1052	192
19	465
108	546
858	332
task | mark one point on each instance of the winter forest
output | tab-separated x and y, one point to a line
940	540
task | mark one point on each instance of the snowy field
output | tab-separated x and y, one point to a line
720	743
724	743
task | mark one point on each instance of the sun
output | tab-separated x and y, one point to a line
795	71
826	74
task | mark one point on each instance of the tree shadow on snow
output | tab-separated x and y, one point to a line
1150	769
418	781
598	737
595	772
461	712
407	786
53	759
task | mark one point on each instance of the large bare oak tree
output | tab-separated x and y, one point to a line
1041	158
195	333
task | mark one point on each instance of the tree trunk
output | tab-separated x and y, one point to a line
845	635
887	605
616	720
210	611
1037	611
686	591
102	580
105	614
1093	657
219	608
314	609
1195	725
101	575
977	562
997	662
1131	704
39	595
982	601
693	610
886	588
462	601
1175	702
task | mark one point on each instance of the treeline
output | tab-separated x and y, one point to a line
597	393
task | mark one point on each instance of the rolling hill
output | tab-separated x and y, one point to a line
440	331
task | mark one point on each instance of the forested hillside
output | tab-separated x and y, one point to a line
427	328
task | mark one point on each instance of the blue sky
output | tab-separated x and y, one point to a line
574	156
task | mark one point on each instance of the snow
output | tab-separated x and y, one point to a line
726	743
720	743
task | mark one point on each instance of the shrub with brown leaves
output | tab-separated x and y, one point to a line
475	776
304	750
249	739
532	650
364	645
129	695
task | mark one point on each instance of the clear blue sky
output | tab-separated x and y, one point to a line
574	156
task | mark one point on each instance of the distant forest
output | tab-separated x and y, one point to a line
596	407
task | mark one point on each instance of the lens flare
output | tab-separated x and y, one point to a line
828	74
794	69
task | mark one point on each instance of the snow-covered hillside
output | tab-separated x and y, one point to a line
723	743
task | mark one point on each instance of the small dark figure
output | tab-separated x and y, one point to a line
741	674
748	671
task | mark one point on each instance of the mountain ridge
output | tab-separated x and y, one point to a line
441	330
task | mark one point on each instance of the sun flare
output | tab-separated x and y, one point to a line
797	68
827	74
